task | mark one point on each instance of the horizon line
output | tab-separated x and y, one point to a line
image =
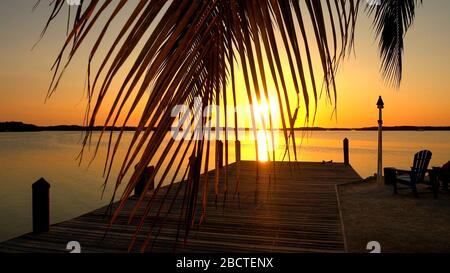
130	127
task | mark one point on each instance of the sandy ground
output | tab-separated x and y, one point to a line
400	223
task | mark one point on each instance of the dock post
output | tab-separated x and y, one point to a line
193	167
140	186
346	160
41	206
238	151
389	176
220	153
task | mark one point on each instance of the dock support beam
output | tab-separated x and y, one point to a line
145	178
346	160
220	153
41	206
238	151
194	168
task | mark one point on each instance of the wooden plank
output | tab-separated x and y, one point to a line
291	207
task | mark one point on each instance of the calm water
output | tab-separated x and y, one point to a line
25	157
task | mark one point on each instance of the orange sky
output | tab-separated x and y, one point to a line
423	98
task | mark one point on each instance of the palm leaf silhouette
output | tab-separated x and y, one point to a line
392	19
192	50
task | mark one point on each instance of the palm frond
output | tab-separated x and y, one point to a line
190	51
392	19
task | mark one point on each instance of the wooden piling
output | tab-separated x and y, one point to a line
145	178
220	153
346	158
41	206
193	165
238	150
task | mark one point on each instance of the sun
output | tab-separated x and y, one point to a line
262	146
264	112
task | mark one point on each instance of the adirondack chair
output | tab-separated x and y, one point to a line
444	175
417	174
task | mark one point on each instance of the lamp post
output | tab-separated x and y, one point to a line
380	106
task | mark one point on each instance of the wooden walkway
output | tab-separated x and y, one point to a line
295	210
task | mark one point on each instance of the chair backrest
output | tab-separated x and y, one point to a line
420	164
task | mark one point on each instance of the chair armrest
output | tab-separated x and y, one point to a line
434	173
403	171
434	169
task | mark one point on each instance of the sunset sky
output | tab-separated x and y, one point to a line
422	99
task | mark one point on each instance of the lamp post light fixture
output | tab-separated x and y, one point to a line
380	106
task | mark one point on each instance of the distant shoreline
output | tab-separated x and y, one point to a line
23	127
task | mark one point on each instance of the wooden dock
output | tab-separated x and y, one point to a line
294	209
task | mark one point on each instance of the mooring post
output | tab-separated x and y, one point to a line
346	160
238	151
220	152
142	182
193	167
41	206
389	175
